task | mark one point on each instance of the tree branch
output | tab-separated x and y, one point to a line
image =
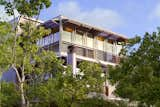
17	73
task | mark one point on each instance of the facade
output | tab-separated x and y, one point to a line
89	43
74	41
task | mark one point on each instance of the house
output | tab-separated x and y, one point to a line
75	41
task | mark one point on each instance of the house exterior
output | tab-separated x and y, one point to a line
74	41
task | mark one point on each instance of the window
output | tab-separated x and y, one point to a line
90	41
109	48
66	36
100	45
79	38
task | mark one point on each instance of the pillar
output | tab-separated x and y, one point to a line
71	59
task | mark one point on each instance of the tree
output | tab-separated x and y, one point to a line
137	77
66	89
28	59
21	52
9	95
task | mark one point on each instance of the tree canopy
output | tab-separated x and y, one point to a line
25	7
137	77
66	89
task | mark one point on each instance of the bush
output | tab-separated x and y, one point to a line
96	102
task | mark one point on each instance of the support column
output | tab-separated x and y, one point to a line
115	48
95	46
60	34
115	51
71	59
105	49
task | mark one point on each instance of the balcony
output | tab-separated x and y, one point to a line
48	40
106	56
52	47
92	53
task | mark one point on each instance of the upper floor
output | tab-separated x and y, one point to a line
90	41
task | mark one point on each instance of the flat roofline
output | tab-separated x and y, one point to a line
102	30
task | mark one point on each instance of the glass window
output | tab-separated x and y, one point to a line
109	48
66	36
90	41
100	45
78	38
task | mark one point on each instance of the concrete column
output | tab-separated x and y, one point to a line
95	46
115	48
105	48
115	51
60	34
71	59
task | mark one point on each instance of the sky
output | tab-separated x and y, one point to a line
127	17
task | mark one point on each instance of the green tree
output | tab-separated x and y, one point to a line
137	77
9	95
66	89
28	58
28	8
21	52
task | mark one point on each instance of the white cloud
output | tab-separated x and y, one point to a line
156	12
102	17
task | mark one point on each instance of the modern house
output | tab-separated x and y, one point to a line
74	41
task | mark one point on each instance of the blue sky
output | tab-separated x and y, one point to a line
128	17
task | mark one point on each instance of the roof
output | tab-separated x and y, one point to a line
102	32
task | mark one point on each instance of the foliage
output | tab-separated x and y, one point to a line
25	7
97	102
20	52
137	77
6	35
65	88
9	95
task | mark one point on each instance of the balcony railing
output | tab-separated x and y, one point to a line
106	56
52	47
48	40
92	53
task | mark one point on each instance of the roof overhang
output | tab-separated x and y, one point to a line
84	27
